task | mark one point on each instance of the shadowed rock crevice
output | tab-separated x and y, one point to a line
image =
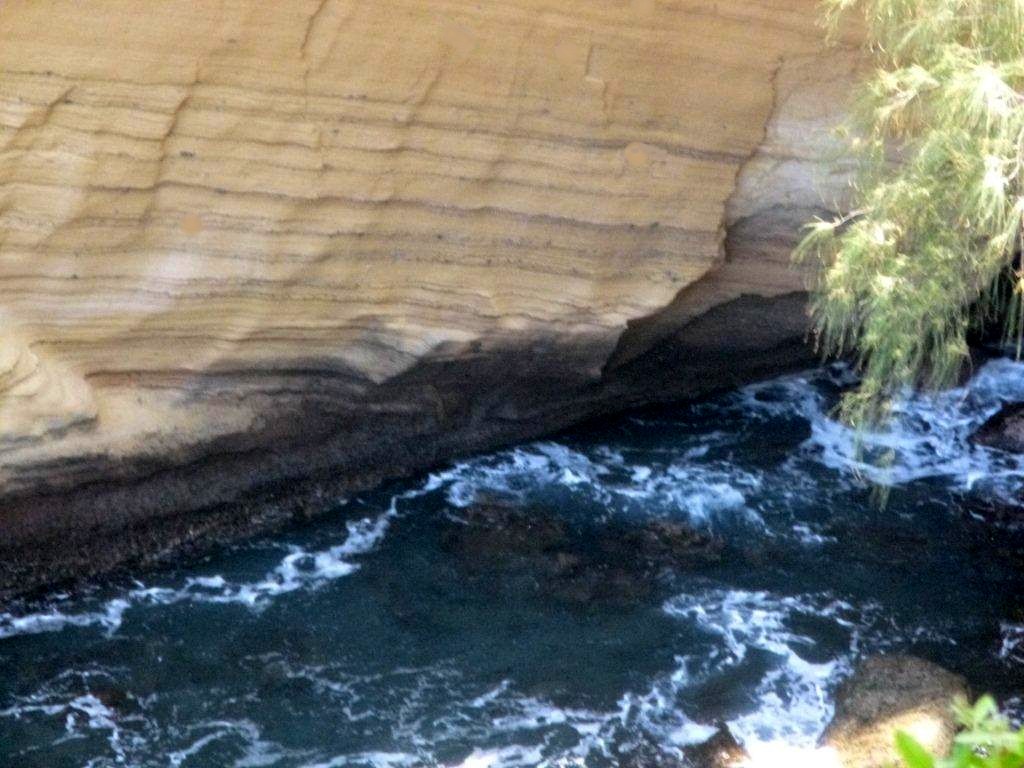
1004	431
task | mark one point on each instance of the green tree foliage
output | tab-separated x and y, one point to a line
930	248
986	741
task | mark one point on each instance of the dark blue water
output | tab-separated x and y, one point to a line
399	632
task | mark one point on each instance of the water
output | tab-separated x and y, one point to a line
370	641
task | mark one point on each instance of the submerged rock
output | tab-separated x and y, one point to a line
1004	431
497	530
720	751
610	563
662	544
887	694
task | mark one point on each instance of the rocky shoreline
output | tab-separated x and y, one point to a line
321	446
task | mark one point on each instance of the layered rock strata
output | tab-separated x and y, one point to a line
311	244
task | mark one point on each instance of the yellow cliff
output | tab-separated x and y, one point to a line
243	242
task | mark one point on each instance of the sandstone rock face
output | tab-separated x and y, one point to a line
247	242
888	694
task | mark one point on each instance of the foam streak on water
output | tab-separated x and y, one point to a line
299	569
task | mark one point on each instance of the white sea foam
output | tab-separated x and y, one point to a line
81	714
1012	649
505	757
518	471
928	436
129	733
53	619
244	734
793	705
298	570
368	760
529	723
688	486
806	535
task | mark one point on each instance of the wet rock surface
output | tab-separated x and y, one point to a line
720	751
611	563
887	694
1004	431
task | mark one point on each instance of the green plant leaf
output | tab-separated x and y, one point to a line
984	709
913	754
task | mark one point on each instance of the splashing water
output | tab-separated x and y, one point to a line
365	642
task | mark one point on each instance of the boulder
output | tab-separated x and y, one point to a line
887	694
720	751
489	532
1003	431
661	544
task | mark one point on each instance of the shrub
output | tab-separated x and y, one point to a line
930	247
986	741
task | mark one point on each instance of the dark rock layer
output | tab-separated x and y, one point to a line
325	435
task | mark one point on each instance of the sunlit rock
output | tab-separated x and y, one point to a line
887	694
